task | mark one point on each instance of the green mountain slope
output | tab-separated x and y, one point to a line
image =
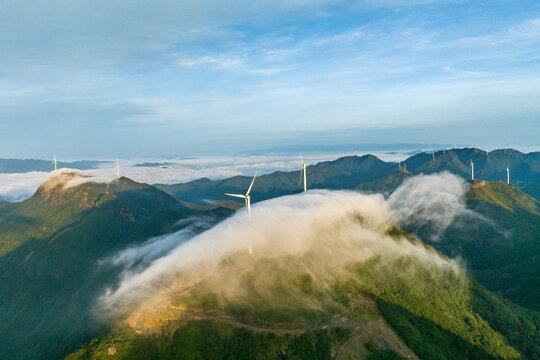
51	246
377	309
501	247
491	166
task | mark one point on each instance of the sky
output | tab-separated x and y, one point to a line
95	78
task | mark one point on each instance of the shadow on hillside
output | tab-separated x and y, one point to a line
427	339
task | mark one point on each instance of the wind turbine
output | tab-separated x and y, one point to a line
247	198
117	171
472	170
55	163
433	155
302	170
507	175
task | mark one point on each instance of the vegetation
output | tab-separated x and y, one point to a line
206	339
436	310
51	243
499	247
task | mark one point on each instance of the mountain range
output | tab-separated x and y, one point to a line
11	166
370	173
57	250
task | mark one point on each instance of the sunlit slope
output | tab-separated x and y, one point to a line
49	271
501	246
55	207
402	307
347	281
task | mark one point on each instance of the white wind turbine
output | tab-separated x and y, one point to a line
247	198
472	170
507	175
117	171
302	171
55	163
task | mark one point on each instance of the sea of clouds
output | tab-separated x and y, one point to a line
321	231
20	186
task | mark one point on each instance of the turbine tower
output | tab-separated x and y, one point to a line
302	171
247	199
472	170
507	175
117	171
55	163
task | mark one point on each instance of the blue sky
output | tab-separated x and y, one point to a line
136	78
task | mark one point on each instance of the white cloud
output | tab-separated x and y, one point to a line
219	62
325	231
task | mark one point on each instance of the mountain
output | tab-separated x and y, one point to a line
415	305
491	166
385	184
26	165
485	246
344	173
499	242
368	173
350	148
533	190
52	256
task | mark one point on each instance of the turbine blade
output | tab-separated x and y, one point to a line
236	195
301	159
300	180
251	185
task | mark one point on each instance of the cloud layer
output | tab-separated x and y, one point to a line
17	187
321	231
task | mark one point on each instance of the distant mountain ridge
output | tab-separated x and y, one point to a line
350	172
350	147
11	166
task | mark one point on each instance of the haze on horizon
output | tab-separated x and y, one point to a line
97	78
